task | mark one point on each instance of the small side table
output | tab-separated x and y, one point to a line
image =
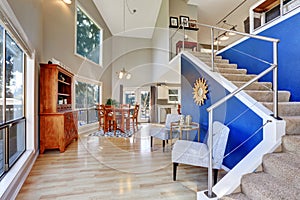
184	127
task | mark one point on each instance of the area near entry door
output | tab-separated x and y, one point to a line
139	96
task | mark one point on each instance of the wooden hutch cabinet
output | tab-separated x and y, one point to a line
58	122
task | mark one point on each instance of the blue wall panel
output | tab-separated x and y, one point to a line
288	55
242	121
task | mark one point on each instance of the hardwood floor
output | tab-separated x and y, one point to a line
112	168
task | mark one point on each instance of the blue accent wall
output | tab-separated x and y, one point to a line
288	55
242	121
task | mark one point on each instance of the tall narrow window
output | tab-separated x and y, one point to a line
14	80
12	120
87	96
89	36
1	74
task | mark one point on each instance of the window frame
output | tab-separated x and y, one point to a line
178	95
91	82
78	5
6	125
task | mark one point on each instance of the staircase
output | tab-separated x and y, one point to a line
280	175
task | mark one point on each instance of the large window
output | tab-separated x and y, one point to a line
89	37
12	120
87	96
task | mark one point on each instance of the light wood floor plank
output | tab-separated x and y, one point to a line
112	168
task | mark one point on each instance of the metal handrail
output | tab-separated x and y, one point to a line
269	39
273	68
232	94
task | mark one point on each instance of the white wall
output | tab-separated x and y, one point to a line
162	71
135	55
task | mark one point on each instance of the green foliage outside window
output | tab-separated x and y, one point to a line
87	95
88	37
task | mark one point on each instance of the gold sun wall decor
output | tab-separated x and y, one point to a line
200	90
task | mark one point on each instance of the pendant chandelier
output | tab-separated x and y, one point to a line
123	74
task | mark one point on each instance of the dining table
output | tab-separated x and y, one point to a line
122	117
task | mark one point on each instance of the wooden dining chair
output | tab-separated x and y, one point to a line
110	119
101	115
126	116
179	109
134	116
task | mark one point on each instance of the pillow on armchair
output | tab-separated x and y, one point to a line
163	132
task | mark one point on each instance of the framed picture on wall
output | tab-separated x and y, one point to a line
184	21
193	23
174	22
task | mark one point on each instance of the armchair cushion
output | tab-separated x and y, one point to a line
163	132
194	153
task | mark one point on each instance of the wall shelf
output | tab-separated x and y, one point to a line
186	28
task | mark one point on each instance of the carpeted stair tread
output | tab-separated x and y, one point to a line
284	166
291	143
238	77
208	60
231	71
222	65
236	196
264	186
285	108
255	85
292	125
267	96
205	55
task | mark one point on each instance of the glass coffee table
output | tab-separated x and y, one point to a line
184	127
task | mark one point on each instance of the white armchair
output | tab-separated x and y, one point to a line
163	132
197	154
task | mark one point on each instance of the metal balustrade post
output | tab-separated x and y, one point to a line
210	143
275	80
281	8
183	41
6	148
212	49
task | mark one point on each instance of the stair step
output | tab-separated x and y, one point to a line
238	77
264	186
284	166
267	96
292	125
236	196
291	143
223	65
208	60
285	108
203	55
231	71
255	85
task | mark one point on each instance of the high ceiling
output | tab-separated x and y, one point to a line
122	20
120	17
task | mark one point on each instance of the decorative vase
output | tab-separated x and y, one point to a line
188	119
